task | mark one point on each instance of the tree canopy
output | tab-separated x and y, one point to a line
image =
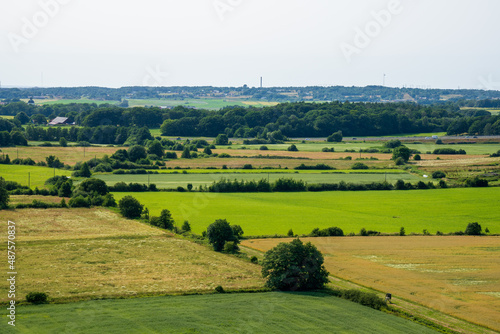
294	266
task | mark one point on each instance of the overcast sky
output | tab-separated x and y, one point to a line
424	43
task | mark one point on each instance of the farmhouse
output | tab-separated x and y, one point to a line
60	121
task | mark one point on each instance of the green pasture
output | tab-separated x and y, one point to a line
198	179
272	312
214	104
7	116
445	210
423	147
68	101
37	175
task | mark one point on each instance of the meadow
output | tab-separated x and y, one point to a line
422	146
170	180
456	275
445	210
74	254
33	175
222	313
203	103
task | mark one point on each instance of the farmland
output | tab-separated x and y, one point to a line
90	253
455	275
224	313
446	210
164	180
34	175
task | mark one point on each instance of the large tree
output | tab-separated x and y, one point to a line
401	152
294	266
130	207
219	232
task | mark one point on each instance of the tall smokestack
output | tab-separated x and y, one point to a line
260	82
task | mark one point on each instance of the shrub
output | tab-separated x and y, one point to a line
219	289
335	137
399	161
359	165
79	202
402	231
263	148
230	247
186	227
473	229
247	166
364	298
37	298
109	201
292	148
476	182
254	259
438	174
417	157
130	207
290	233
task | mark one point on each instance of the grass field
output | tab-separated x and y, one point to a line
67	155
446	210
227	313
197	179
68	101
92	253
457	275
207	103
423	146
35	175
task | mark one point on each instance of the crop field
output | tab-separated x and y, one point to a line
206	103
456	275
76	254
67	155
445	210
35	175
422	146
170	180
223	313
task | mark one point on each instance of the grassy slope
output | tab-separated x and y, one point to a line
247	313
90	253
446	210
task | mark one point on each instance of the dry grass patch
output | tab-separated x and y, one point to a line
63	224
27	199
91	253
459	275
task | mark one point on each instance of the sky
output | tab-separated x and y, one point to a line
111	43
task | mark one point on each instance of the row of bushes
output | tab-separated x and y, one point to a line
281	185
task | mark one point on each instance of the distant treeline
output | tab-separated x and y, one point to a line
114	125
280	94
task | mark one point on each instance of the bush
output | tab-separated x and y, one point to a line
254	259
186	227
402	231
364	298
399	161
359	165
292	148
476	182
37	298
263	148
392	143
290	233
473	229
294	266
417	157
219	289
130	207
335	137
438	174
230	247
79	202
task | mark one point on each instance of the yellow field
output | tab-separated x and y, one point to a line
456	275
90	253
67	155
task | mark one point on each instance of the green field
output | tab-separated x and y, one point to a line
341	147
35	174
206	103
68	101
197	179
227	313
446	210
